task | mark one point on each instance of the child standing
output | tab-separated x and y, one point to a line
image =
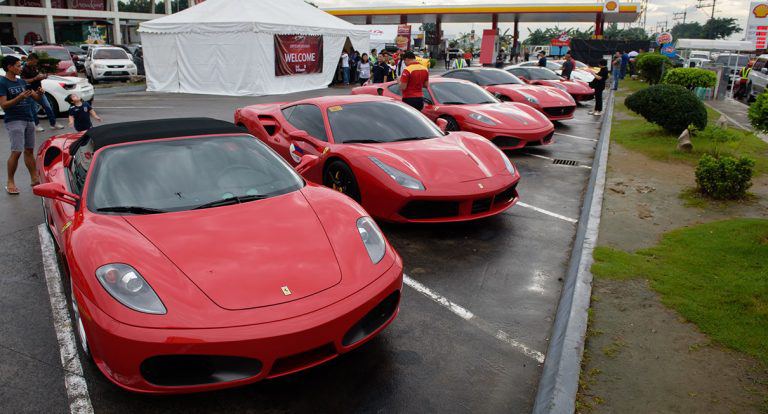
80	113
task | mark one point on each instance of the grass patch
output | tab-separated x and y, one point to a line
637	134
715	275
694	199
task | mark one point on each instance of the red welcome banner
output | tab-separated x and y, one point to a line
298	54
88	4
56	4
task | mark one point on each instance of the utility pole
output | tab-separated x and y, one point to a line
701	5
644	10
676	16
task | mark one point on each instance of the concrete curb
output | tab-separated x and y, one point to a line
560	378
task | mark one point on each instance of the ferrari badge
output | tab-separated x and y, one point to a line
286	291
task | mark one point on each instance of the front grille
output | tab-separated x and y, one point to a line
302	360
373	320
430	209
559	110
481	206
506	196
544	141
504	142
116	73
188	370
115	66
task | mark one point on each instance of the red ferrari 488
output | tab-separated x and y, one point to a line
543	76
389	157
200	260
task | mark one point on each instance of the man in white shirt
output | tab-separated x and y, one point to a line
345	66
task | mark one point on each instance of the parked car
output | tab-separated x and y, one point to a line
7	51
167	298
78	56
581	71
57	88
580	91
108	63
732	62
757	81
66	64
388	156
699	54
696	62
468	107
556	104
21	49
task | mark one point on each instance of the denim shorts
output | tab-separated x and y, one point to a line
22	135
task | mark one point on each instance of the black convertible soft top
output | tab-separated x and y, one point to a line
121	132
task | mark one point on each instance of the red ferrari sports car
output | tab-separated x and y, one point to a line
468	107
543	76
200	260
389	157
555	103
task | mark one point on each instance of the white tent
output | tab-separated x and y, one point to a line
227	47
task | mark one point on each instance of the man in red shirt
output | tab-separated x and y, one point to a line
414	79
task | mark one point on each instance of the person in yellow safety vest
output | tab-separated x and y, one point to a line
458	63
741	91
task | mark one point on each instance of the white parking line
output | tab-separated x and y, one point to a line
74	382
135	107
575	137
549	213
471	318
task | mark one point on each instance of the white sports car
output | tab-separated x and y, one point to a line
57	88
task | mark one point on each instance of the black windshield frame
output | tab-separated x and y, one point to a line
489	77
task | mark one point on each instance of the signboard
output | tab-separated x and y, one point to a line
298	54
664	38
562	40
611	6
95	34
757	24
88	4
56	4
668	50
403	39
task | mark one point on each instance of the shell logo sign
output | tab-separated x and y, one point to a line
760	11
611	6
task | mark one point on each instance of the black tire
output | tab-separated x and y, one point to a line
452	126
338	176
90	78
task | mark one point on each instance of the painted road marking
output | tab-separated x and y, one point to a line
74	382
135	107
544	157
474	320
547	212
575	137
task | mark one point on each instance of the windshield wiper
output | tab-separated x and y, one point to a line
130	209
232	200
411	139
362	141
454	103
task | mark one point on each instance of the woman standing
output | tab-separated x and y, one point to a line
364	69
599	85
616	69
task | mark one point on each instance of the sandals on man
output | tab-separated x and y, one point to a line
12	190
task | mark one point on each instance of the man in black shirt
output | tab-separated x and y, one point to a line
599	85
542	59
568	66
31	74
380	69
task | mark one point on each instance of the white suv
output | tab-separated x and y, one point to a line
108	63
757	80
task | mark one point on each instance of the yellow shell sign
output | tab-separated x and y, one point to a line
760	11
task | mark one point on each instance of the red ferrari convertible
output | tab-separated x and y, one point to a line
389	157
555	103
468	107
543	76
200	260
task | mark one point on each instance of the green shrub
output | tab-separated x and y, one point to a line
670	106
651	66
758	113
690	78
47	64
432	63
724	178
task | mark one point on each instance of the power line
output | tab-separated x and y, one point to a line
701	5
676	16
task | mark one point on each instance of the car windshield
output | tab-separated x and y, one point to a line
542	74
183	174
460	93
733	60
486	77
60	54
379	122
7	50
110	54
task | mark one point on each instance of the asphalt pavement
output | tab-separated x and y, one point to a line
505	272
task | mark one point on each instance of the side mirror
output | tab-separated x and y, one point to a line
442	124
380	91
307	161
56	191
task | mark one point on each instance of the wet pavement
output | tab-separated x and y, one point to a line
506	270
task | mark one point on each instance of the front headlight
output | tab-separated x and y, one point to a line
98	66
400	177
507	162
126	285
561	87
482	118
372	238
530	99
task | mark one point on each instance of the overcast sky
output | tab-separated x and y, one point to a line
658	11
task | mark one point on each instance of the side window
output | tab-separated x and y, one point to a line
759	64
308	118
463	74
78	169
519	72
395	88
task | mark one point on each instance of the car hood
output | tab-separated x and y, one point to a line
573	87
457	157
513	115
241	256
546	95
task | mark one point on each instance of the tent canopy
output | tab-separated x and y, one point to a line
227	47
710	44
